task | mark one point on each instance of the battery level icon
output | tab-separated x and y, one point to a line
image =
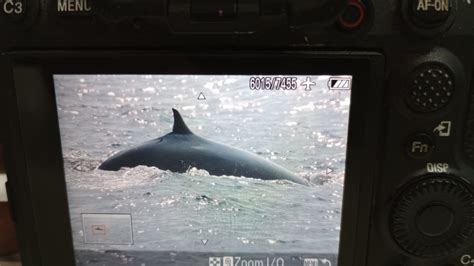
340	83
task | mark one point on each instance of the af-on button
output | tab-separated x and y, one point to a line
429	18
430	13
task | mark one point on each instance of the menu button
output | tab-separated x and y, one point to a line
73	7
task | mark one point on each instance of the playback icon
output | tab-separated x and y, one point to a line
228	261
224	261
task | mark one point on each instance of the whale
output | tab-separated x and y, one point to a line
181	150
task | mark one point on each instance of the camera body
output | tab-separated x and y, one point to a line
411	200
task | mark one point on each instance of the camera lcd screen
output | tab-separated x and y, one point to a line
215	170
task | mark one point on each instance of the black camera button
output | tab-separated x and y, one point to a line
420	145
430	88
14	10
429	18
443	215
431	13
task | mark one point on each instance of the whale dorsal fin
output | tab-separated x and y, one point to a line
179	127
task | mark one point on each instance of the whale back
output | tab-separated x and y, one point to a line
181	150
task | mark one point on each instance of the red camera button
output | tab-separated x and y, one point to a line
353	16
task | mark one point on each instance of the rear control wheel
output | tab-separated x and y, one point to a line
433	217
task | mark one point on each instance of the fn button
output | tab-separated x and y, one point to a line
420	145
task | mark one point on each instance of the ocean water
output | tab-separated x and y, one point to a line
174	214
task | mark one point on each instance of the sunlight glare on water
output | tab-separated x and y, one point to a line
305	132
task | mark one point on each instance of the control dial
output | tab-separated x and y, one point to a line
434	216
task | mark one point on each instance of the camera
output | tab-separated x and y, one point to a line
240	133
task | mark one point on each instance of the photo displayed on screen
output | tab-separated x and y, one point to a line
215	170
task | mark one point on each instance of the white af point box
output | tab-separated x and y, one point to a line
113	229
